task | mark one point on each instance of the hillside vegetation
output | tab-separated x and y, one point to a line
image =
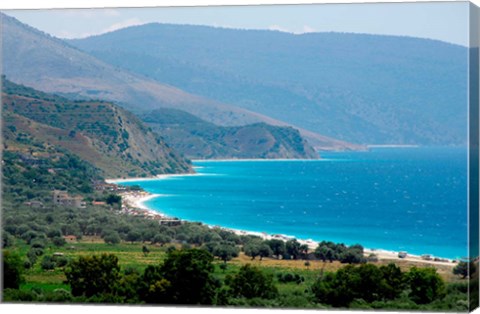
33	58
109	138
367	89
198	139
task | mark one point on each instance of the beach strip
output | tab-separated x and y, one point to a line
157	177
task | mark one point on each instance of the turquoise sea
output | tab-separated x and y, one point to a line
412	199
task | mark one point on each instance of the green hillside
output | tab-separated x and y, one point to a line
111	139
198	139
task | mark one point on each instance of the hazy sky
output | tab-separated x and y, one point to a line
446	21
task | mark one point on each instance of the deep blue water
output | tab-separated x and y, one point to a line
412	199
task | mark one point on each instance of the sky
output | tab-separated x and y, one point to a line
446	21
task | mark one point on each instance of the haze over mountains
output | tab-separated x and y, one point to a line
335	88
358	88
36	59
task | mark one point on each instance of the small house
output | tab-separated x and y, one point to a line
62	198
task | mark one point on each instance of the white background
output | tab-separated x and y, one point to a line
60	309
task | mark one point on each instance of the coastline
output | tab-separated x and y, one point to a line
134	203
254	160
157	177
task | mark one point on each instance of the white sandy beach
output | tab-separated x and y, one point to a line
157	177
133	204
253	159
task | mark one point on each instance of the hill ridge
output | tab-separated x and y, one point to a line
110	138
199	139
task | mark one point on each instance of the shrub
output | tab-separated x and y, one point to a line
7	240
93	275
425	285
250	282
366	282
112	238
464	269
60	261
33	253
12	270
59	241
161	239
48	263
289	277
38	244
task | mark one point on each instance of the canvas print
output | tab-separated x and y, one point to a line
320	156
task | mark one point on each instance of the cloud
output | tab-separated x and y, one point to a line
122	24
308	29
116	26
278	28
111	12
305	29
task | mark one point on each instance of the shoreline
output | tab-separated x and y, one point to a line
255	159
135	204
157	177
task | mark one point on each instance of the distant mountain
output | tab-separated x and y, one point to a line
111	139
198	139
36	59
358	88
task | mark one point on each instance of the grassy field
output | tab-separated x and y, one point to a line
130	255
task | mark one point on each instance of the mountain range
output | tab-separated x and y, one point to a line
38	60
335	88
365	89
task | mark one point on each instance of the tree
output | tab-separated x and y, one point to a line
464	269
303	249
133	236
264	251
226	251
93	275
145	250
112	238
161	239
369	287
113	199
425	285
393	281
293	248
352	255
12	270
366	282
128	287
190	274
250	282
48	263
7	240
324	253
277	246
59	241
153	286
252	249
